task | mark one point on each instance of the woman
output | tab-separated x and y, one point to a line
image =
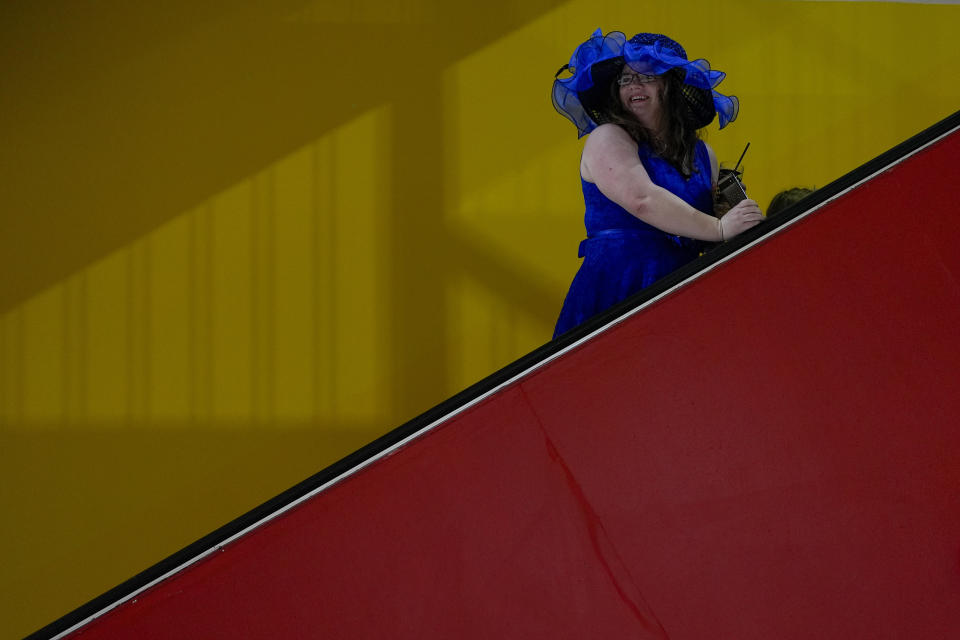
648	180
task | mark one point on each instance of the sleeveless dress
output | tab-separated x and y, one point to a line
623	254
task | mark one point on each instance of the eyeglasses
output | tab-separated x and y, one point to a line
630	78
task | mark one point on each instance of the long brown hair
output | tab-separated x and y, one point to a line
680	142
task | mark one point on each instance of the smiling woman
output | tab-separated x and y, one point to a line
648	180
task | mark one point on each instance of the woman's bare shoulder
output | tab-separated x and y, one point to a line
608	132
607	144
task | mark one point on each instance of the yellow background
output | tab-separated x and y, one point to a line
241	239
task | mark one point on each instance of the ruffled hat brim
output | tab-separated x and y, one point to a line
582	96
573	96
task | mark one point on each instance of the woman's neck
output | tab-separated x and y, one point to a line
657	129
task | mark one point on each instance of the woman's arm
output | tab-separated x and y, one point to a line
611	162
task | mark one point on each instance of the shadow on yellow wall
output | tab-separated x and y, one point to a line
242	239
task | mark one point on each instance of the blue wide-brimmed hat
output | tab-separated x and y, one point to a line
596	63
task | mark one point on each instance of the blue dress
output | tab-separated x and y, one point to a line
623	254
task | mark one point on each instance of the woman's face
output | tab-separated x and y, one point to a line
641	95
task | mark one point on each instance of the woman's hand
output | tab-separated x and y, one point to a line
742	216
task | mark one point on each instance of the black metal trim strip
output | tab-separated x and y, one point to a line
201	547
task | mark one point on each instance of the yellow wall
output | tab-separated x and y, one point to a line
241	239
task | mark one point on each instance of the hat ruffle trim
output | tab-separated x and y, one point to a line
566	98
650	58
